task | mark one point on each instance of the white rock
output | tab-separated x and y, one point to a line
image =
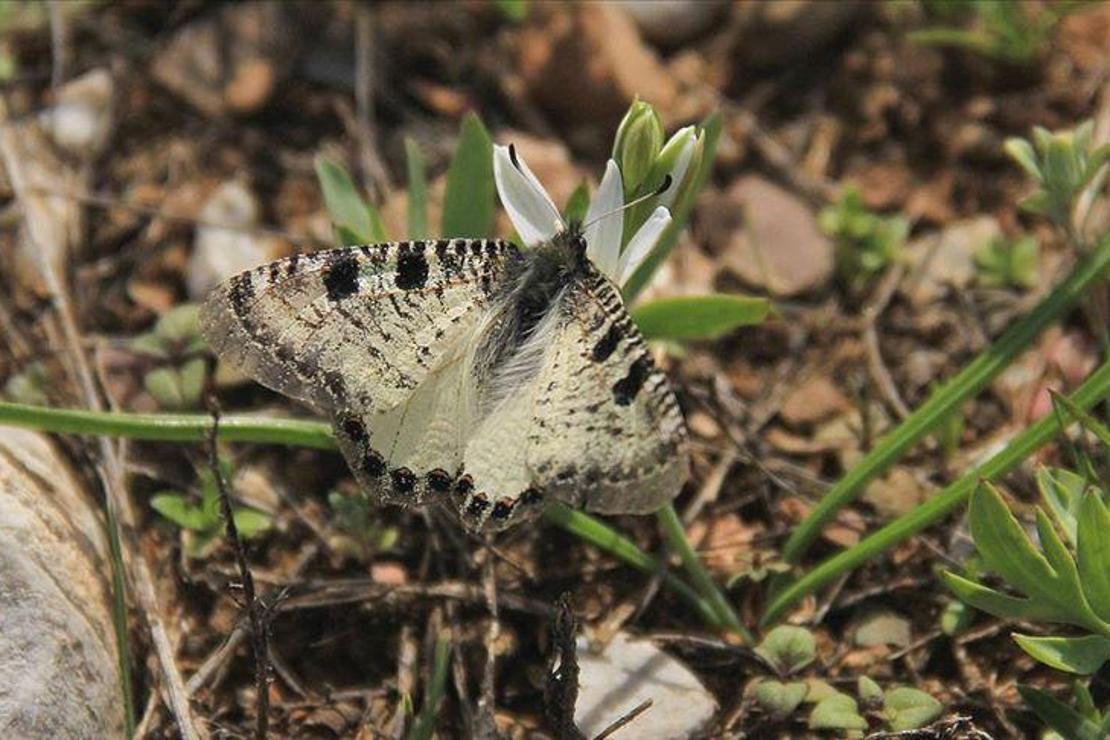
219	253
81	122
58	661
623	676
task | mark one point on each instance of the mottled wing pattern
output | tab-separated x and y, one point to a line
371	335
597	427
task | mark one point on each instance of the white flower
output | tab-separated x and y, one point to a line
537	219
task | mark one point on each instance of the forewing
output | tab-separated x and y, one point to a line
357	327
374	336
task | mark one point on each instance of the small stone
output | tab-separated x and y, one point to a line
81	122
946	261
781	32
895	493
815	400
676	22
219	252
883	628
626	673
768	238
229	61
589	63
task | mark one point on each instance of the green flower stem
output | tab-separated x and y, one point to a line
1093	390
946	399
169	427
598	533
676	537
317	435
425	725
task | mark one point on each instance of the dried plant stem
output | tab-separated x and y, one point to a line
255	608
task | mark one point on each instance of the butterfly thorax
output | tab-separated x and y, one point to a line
529	304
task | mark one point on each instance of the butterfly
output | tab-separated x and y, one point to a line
470	372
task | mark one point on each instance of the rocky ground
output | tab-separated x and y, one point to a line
153	149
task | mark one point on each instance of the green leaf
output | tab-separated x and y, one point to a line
1093	553
164	384
869	691
1059	716
377	226
418	190
837	712
349	212
577	204
1000	605
1021	151
788	648
908	709
780	698
513	10
1007	550
250	522
1062	491
1083	655
698	317
192	375
180	511
1090	423
468	200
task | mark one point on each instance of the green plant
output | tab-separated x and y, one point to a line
1005	31
361	533
1064	164
1066	168
175	343
790	649
201	520
1064	580
1002	263
866	243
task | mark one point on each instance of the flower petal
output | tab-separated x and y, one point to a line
529	206
642	244
681	164
605	221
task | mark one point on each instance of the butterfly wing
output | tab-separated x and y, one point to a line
371	335
596	425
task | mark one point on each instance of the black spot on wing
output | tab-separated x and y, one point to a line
242	290
412	268
477	505
439	480
404	480
341	280
373	464
502	509
355	430
606	344
531	496
625	389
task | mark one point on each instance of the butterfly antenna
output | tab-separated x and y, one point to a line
658	191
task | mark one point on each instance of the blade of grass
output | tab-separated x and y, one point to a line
348	211
676	537
598	533
1093	390
418	190
468	200
317	435
425	724
168	427
946	399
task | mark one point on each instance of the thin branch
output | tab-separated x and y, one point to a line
255	608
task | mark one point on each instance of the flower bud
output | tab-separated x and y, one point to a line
639	139
675	160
